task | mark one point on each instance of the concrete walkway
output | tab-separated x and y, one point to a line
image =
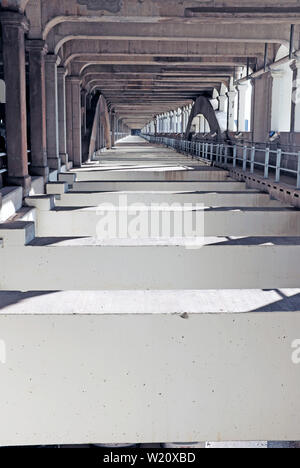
145	283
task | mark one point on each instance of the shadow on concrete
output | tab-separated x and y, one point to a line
285	304
8	298
44	241
260	241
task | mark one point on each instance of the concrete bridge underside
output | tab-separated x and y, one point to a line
146	295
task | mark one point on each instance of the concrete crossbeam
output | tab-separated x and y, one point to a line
208	221
220	264
221	199
202	174
222	359
53	188
16	233
160	186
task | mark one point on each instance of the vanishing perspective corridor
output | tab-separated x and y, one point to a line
149	223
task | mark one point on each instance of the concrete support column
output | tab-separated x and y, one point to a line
176	121
186	118
14	26
296	96
74	120
113	125
242	91
261	107
62	125
282	90
277	76
39	164
84	94
182	120
51	62
231	109
222	102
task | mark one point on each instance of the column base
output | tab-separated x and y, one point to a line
40	171
54	163
64	158
24	182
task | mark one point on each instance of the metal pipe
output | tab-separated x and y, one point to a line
269	68
292	37
266	56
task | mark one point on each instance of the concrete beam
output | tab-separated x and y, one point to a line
94	186
220	357
74	49
209	222
78	30
218	199
164	267
202	174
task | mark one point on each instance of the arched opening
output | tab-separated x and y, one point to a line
203	107
200	124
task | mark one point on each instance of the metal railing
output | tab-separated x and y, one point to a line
3	162
248	157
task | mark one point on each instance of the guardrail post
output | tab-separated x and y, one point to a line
278	165
267	162
234	155
221	154
211	151
252	159
298	172
226	155
245	154
217	153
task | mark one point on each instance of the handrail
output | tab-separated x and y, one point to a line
234	154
